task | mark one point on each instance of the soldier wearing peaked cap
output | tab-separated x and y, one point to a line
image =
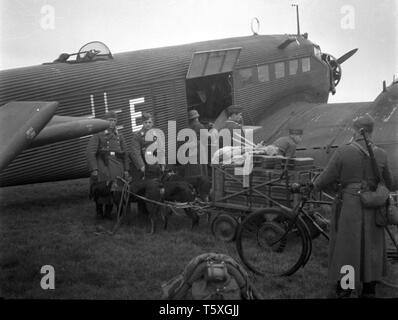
351	223
139	166
107	159
287	145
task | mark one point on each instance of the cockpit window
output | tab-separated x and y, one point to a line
317	51
92	51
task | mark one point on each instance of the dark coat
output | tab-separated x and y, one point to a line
192	169
286	146
355	239
106	152
136	155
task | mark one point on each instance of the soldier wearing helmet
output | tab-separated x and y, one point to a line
355	239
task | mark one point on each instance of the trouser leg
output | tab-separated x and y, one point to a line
99	210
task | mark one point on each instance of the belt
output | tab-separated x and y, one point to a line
353	188
353	185
111	153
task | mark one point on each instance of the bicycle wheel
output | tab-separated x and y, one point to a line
268	244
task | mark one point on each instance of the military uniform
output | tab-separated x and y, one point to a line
286	146
231	125
106	153
355	239
197	169
137	154
234	127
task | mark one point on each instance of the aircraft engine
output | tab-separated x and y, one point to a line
335	67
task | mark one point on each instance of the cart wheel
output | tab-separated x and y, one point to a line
268	243
224	227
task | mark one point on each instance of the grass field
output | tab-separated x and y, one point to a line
54	224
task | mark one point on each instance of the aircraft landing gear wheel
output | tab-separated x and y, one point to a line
224	227
269	243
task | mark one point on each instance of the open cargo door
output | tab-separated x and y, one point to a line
206	63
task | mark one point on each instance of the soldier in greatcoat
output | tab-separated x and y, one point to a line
139	151
107	159
355	239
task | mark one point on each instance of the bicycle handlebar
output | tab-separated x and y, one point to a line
303	188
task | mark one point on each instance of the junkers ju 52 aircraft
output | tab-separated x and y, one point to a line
277	79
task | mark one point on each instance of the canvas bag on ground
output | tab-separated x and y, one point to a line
211	276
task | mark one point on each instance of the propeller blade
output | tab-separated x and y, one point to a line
346	56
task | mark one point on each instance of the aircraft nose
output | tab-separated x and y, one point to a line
335	67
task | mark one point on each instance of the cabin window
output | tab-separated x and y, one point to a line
305	64
246	76
263	73
279	70
293	66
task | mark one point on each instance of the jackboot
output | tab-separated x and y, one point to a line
99	210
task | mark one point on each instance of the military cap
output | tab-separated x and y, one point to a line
234	109
365	122
146	116
110	115
193	114
298	132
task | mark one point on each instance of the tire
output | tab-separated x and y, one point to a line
224	227
267	243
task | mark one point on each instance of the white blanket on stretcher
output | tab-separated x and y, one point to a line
237	155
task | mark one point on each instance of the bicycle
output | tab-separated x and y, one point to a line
278	240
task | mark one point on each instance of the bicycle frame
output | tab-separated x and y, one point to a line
304	212
299	210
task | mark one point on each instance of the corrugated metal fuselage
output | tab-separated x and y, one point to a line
152	80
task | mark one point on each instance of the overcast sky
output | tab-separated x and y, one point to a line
37	31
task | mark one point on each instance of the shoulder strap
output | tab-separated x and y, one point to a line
360	148
364	154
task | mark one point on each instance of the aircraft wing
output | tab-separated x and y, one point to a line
328	126
25	124
20	122
325	125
